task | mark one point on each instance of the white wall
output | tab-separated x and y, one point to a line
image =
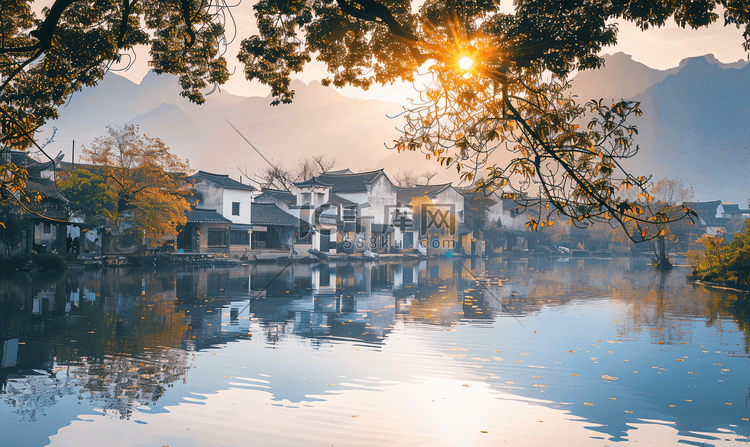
245	198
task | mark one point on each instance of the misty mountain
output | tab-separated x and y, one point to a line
622	78
694	127
319	121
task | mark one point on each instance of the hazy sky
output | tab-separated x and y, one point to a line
661	48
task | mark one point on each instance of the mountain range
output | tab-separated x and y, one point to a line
695	126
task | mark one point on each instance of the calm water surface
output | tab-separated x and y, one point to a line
537	351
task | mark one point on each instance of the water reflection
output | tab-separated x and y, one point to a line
610	341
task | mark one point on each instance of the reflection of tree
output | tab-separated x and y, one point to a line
648	306
723	302
114	384
33	395
116	352
119	384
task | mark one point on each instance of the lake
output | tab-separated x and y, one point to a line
437	352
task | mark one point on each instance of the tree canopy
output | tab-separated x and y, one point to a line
513	97
132	179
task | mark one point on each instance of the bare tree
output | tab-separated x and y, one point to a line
322	164
429	175
405	179
671	192
276	176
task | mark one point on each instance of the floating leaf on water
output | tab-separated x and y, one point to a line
729	403
485	431
671	405
588	403
725	370
465	385
575	375
679	360
628	411
331	384
688	400
613	398
606	377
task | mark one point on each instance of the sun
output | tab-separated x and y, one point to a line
465	63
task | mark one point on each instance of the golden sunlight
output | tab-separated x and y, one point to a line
465	63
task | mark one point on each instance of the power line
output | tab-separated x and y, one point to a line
248	142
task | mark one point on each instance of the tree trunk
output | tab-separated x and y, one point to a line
663	262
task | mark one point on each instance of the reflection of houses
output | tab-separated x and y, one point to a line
232	200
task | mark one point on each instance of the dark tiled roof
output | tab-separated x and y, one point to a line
315	181
716	221
201	215
44	186
271	214
731	208
22	159
347	183
335	199
222	180
286	196
405	195
704	209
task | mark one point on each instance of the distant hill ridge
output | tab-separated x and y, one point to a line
694	125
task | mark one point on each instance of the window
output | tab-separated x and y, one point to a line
239	237
303	235
350	214
47	228
235	208
217	238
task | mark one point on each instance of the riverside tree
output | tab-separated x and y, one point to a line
132	181
498	78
